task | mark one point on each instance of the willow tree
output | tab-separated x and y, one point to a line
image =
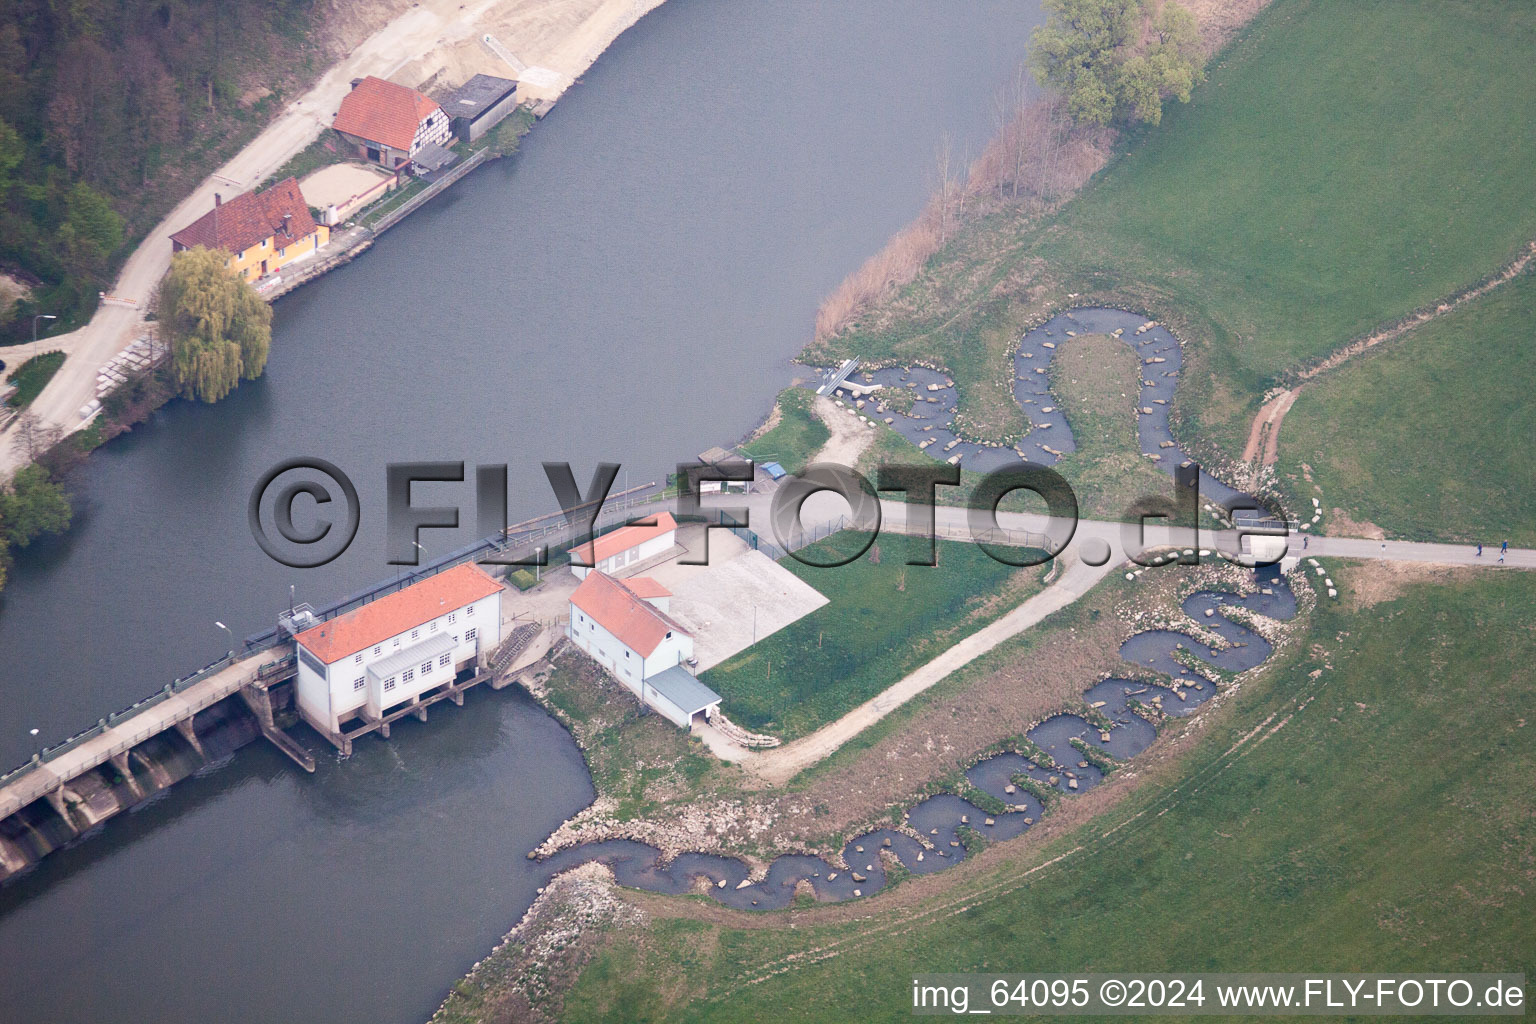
1111	62
218	328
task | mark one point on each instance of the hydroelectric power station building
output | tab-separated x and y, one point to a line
398	650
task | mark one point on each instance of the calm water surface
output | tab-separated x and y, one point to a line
630	287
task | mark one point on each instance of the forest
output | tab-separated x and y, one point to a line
110	110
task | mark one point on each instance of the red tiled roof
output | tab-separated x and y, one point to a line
624	538
390	616
644	587
639	626
250	217
381	111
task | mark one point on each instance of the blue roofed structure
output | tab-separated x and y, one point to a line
678	696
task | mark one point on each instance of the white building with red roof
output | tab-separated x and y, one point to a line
625	548
388	123
396	649
622	625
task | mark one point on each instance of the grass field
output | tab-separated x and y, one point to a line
882	620
32	376
1430	438
797	435
639	761
1097	378
1343	165
1388	824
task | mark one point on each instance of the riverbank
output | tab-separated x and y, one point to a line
1275	825
434	39
994	792
1272	297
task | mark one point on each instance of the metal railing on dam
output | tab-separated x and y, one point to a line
53	767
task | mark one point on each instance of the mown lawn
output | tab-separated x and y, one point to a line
1431	436
1389	824
1343	165
32	376
797	436
882	620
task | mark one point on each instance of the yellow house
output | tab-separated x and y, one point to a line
263	232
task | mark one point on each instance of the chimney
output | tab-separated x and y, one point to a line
286	218
218	200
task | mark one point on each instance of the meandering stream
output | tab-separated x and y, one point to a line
945	820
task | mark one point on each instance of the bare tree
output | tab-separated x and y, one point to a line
33	438
945	193
1018	137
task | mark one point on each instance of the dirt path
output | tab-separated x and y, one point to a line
777	766
849	434
1263	446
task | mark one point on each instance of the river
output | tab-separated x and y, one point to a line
629	287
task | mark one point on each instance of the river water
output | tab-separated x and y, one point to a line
630	287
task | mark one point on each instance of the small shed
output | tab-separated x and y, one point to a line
720	458
432	160
774	470
479	105
678	696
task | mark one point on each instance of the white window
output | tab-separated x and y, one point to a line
280	252
407	675
358	660
395	642
426	667
415	633
263	244
389	684
445	660
359	682
379	649
434	627
470	610
452	616
469	635
626	652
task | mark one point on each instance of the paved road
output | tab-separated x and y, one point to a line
952	521
779	765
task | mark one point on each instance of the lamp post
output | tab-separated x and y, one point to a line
231	636
400	572
35	319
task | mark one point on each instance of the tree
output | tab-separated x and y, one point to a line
1094	53
33	438
91	232
218	328
32	506
11	152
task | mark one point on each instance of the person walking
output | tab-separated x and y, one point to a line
1304	539
1479	551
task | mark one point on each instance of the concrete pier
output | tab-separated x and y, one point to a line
110	740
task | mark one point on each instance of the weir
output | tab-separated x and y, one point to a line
69	788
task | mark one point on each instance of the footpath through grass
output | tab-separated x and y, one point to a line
882	620
32	376
1388	824
798	434
1344	164
1431	437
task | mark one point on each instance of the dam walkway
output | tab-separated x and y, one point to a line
50	771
